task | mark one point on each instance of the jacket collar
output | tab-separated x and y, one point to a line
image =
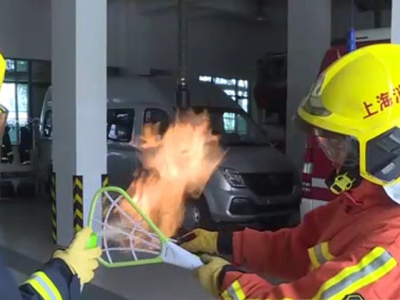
367	194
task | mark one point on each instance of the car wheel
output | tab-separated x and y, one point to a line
196	215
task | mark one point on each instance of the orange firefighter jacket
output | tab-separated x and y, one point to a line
348	249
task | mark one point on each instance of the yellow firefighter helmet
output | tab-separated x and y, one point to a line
354	110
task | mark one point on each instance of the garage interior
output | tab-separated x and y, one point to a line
263	54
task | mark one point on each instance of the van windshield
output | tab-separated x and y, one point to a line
234	127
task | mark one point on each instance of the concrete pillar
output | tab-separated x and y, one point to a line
79	76
309	36
395	29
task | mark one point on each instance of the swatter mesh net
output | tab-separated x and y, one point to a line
124	236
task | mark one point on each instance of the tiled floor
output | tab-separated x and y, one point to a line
25	243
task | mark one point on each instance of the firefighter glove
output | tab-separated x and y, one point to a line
208	275
200	241
81	261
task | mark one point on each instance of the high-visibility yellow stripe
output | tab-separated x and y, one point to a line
313	258
38	288
44	286
226	296
325	251
50	284
319	255
235	292
362	276
379	273
366	260
238	290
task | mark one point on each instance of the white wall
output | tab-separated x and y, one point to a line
25	30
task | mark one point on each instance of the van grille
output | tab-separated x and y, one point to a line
269	184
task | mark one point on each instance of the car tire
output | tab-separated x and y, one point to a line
196	215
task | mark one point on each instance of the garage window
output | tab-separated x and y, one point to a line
120	125
14	96
237	89
154	116
25	84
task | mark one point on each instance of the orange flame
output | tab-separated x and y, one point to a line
175	167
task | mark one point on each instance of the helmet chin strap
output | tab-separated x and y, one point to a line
348	177
344	178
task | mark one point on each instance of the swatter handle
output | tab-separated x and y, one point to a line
175	255
91	244
194	263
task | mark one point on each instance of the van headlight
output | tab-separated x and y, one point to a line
233	177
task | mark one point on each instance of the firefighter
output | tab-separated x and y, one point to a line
63	275
348	249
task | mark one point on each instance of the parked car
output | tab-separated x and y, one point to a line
254	180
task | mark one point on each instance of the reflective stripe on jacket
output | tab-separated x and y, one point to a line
347	247
53	282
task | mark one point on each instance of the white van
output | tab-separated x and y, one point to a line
254	181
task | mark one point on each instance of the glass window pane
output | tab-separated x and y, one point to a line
229	122
7	98
242	125
244	103
205	78
157	116
22	66
10	65
23	107
243	83
232	82
120	124
221	81
230	92
13	131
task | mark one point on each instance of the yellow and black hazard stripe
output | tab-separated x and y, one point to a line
104	183
78	202
53	207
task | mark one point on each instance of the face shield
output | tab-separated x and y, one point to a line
340	149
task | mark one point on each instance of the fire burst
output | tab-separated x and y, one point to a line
176	166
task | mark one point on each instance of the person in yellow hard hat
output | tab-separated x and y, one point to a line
350	248
61	277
